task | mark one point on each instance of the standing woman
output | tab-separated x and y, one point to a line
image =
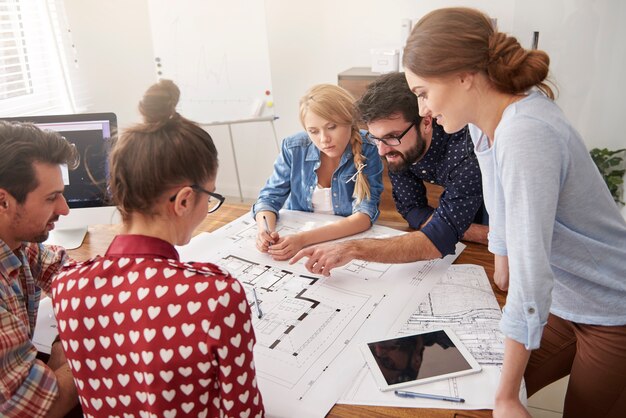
331	168
554	228
144	332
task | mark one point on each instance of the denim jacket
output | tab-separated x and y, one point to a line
294	179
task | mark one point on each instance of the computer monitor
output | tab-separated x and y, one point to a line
86	186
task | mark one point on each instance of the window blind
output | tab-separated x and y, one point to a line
33	74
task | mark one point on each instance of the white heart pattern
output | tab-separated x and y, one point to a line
161	331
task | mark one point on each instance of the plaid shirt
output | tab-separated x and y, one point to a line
27	386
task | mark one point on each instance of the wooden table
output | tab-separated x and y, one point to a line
100	236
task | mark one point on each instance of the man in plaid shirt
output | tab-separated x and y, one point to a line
31	200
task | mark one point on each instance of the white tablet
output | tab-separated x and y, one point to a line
418	358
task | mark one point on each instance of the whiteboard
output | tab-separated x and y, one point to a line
217	53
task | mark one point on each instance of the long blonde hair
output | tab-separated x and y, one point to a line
336	105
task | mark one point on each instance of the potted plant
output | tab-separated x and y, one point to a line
609	163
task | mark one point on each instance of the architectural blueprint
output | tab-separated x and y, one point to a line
307	353
462	299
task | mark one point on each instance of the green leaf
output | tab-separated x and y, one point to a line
607	160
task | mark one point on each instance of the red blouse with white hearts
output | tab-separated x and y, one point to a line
147	335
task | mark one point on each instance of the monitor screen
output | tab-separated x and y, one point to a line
86	186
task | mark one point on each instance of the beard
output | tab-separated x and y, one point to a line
38	236
41	237
411	156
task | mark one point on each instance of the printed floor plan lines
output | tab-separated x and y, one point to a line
463	301
460	299
300	315
306	351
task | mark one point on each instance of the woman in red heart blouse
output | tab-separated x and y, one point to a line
145	334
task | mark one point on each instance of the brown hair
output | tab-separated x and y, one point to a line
387	95
166	150
22	144
451	40
335	104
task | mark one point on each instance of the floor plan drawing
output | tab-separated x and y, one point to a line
461	299
300	315
243	237
306	353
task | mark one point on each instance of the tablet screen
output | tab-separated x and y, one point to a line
416	357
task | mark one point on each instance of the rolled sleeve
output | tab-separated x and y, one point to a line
497	244
417	216
263	206
441	235
528	331
374	173
368	208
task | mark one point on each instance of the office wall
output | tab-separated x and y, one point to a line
116	62
327	37
114	52
582	38
310	42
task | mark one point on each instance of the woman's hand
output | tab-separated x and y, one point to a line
264	239
501	271
286	247
510	408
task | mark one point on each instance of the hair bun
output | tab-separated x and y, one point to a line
158	104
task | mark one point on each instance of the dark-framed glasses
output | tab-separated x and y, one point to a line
214	204
391	140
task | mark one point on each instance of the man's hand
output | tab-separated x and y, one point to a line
57	355
68	394
323	258
477	233
501	271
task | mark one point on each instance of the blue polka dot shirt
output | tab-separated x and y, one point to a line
449	162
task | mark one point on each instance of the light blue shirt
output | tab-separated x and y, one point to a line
294	179
551	212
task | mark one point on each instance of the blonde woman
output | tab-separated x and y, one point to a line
330	168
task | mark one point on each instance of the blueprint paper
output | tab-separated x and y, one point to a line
462	300
46	326
307	352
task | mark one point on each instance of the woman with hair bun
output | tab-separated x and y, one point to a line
558	237
331	168
143	332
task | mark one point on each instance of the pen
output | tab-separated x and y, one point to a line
259	313
267	227
405	394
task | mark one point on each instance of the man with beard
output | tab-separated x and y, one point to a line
417	150
31	201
